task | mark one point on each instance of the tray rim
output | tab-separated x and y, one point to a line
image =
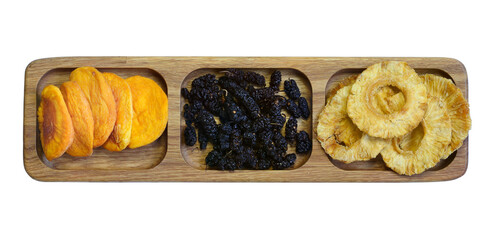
195	63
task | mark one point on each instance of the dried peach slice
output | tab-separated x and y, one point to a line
55	125
82	117
100	99
150	111
120	137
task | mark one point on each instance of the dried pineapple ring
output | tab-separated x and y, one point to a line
338	85
371	121
412	153
388	100
334	117
457	108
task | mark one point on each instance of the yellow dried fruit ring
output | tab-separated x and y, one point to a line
373	122
340	84
334	124
422	148
457	108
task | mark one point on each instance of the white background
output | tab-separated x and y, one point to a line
37	210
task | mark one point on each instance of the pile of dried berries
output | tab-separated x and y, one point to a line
251	120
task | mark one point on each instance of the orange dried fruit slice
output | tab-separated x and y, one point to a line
55	125
82	118
120	137
100	99
150	111
373	122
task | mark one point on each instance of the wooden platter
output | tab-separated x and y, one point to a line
168	159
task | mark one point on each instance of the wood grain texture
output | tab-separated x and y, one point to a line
164	161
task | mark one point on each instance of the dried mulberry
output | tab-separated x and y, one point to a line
190	135
304	144
275	80
304	108
291	89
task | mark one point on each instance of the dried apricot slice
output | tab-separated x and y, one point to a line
120	137
150	111
100	99
55	125
82	117
373	122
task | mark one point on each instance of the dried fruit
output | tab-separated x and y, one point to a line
371	121
190	135
120	137
457	108
350	80
304	108
422	148
55	125
291	89
334	124
291	129
275	80
150	111
251	119
304	144
387	100
82	119
101	101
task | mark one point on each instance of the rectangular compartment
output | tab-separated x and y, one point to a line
377	163
102	158
184	164
195	157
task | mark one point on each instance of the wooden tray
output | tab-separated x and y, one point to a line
168	159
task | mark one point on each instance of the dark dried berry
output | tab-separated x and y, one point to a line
275	106
291	129
203	140
214	159
190	135
291	89
261	123
275	80
233	111
206	122
249	139
304	144
277	122
255	78
189	113
285	162
236	141
263	164
292	108
261	94
243	97
280	142
235	75
185	93
304	108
